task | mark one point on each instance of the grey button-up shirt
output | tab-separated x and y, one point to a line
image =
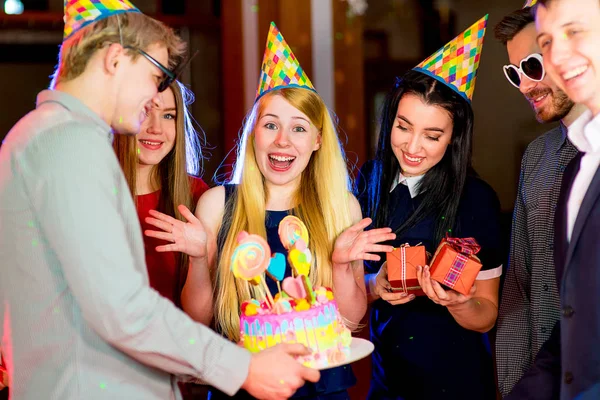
530	305
77	317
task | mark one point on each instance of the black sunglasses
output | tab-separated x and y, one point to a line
531	66
170	76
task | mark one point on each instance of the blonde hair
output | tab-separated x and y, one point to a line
171	174
321	202
132	29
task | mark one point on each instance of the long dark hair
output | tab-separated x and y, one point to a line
443	184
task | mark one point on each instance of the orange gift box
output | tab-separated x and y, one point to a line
402	266
455	265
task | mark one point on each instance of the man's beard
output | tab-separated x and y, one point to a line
558	108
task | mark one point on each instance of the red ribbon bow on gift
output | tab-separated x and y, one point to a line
468	246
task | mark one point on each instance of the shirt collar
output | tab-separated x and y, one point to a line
412	182
72	104
584	132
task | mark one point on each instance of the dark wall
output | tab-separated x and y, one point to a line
21	81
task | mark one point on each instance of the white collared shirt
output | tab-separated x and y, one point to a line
585	135
411	181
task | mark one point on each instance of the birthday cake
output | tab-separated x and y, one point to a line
298	313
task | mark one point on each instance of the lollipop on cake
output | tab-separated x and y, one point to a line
250	260
294	237
291	229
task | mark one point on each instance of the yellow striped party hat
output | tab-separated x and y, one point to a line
79	13
280	68
457	62
530	3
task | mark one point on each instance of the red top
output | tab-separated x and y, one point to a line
163	267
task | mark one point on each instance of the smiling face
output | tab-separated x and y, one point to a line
157	136
568	36
547	100
138	85
284	140
420	136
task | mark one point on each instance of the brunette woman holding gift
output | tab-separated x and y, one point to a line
422	186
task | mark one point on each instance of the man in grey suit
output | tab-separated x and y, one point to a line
79	319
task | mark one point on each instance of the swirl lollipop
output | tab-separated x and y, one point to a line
251	259
291	229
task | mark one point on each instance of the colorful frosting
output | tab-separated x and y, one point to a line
319	328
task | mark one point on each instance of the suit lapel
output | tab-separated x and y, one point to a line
561	244
587	204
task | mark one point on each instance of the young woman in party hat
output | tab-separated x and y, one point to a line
422	186
290	161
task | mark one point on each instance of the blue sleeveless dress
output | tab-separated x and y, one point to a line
334	382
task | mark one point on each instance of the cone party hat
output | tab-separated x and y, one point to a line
280	68
530	3
79	13
457	62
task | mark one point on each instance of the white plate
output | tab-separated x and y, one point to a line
359	349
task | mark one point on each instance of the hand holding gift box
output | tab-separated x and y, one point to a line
455	265
402	266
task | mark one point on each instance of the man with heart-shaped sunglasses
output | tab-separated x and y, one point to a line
526	70
530	304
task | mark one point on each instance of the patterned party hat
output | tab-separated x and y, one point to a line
530	3
280	68
79	13
456	63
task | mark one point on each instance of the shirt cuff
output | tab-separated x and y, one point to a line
489	274
231	370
